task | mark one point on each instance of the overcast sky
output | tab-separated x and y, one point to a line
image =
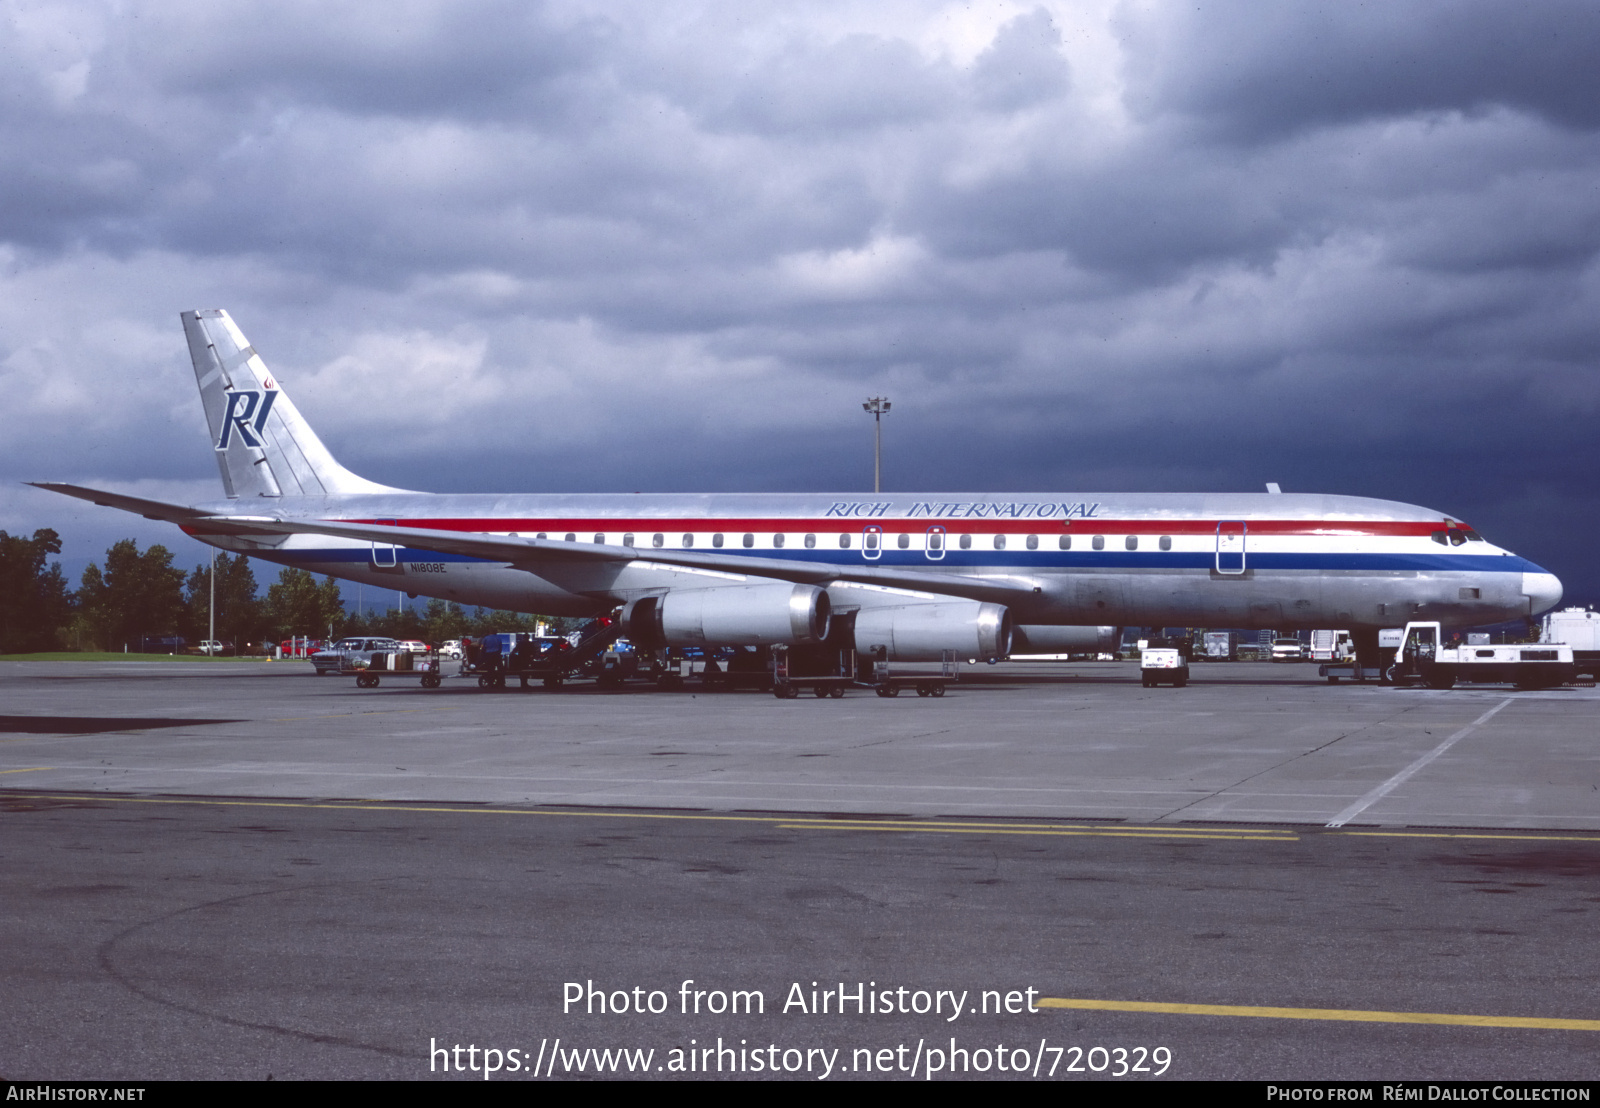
503	245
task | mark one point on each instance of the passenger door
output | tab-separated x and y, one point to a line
1231	546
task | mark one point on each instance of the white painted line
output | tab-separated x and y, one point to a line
1400	778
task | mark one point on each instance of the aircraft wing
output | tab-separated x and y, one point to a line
530	553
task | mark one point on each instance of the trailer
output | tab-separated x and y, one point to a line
830	668
1578	628
1331	646
1423	659
1352	670
370	670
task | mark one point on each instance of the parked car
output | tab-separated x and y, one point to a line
213	647
356	650
414	646
1288	650
451	649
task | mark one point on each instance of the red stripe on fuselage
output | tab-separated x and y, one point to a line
834	526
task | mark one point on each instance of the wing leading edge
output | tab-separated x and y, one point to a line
530	554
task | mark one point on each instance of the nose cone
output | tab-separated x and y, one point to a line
1543	591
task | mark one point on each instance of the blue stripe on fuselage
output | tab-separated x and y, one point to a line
1021	561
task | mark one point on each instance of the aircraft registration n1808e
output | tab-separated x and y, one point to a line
975	573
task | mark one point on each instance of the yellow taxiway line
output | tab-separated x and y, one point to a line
1349	1015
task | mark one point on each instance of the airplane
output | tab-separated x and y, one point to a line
983	575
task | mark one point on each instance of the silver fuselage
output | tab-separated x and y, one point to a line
1221	560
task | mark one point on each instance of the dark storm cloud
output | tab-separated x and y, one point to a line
1157	246
471	59
1264	70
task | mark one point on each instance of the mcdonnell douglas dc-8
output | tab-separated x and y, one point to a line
981	575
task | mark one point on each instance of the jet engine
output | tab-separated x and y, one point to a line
922	632
730	615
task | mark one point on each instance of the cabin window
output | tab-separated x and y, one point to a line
777	542
716	540
656	539
749	539
904	541
541	535
1166	542
966	542
935	540
1131	542
844	542
1065	542
688	540
1099	542
1438	537
811	541
627	540
999	542
599	540
571	537
871	540
1033	542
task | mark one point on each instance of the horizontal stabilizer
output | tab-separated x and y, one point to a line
150	509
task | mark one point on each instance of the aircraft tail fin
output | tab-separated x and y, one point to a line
264	446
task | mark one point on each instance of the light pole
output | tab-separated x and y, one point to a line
877	405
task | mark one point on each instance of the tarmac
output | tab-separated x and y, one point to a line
243	871
1243	742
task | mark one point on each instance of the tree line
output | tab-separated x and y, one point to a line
138	594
